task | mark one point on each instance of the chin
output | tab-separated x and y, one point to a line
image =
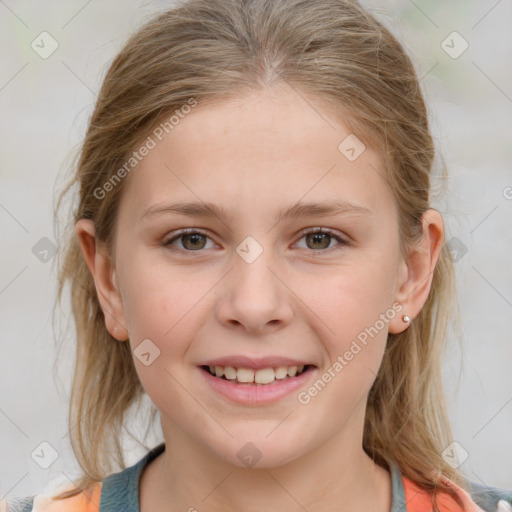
260	453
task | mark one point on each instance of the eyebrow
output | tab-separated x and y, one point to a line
206	209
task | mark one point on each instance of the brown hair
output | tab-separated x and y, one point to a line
338	55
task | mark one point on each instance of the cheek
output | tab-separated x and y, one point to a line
355	310
355	344
161	310
159	298
354	297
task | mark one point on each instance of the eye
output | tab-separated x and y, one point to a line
320	238
192	240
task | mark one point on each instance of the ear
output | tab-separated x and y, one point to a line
103	273
417	272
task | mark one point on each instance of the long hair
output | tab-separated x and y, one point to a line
207	51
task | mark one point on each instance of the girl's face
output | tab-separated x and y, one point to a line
252	282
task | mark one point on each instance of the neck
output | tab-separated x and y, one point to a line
336	476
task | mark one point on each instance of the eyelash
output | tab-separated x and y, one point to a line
194	231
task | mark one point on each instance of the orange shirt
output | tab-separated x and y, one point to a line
416	499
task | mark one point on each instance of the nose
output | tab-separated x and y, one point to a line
255	296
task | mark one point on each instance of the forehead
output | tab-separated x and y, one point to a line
260	151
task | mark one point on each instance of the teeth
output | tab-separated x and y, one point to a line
244	375
292	371
230	372
261	376
264	376
281	372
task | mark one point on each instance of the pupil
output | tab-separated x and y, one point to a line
195	238
317	238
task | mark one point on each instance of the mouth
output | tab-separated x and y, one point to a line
260	377
256	387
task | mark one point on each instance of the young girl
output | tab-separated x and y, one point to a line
254	248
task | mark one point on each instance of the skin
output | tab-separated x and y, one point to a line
300	298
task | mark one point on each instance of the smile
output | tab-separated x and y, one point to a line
256	387
261	376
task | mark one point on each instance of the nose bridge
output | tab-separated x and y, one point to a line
253	260
255	296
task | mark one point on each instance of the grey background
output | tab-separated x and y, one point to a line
44	106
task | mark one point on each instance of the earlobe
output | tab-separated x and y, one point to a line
100	266
415	280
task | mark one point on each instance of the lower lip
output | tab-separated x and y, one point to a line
256	394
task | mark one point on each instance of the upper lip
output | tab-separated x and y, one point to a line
254	363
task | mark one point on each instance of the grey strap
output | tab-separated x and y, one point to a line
16	504
487	498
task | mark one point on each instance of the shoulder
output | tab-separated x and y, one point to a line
17	504
491	498
114	489
479	499
85	501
